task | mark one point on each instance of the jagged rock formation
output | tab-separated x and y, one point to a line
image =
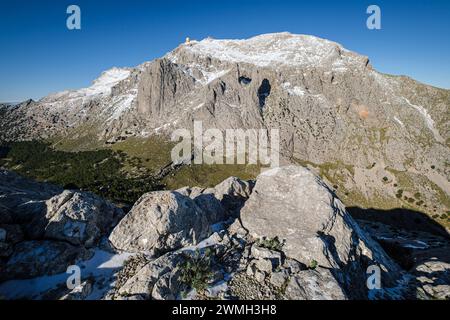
292	204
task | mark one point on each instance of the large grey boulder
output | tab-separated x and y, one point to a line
45	211
79	218
159	222
295	206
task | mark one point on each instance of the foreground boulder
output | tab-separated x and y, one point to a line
168	220
293	205
79	218
43	211
159	222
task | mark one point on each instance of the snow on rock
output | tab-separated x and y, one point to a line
122	103
108	79
296	91
399	122
428	120
101	86
270	50
103	265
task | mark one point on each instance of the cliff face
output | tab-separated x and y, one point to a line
382	141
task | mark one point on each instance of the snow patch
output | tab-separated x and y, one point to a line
102	265
101	86
399	122
276	49
428	120
296	91
121	104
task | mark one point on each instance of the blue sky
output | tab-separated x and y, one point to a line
39	55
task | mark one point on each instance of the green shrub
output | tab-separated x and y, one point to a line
313	264
196	270
271	243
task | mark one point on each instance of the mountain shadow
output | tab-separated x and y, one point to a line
400	218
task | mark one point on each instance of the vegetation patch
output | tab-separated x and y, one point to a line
208	175
313	264
195	270
271	243
100	171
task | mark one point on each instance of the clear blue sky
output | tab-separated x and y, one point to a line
39	55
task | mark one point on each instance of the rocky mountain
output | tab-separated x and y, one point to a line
364	181
238	240
380	141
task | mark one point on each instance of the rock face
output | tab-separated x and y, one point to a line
295	206
159	222
163	221
80	218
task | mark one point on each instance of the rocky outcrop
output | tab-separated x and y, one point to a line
79	218
165	221
285	236
296	241
38	211
293	205
143	283
433	278
159	222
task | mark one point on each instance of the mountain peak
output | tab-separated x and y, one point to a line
273	50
